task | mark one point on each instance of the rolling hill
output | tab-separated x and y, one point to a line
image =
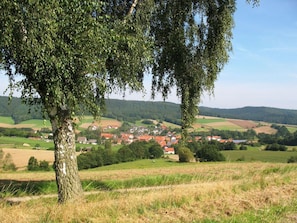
125	110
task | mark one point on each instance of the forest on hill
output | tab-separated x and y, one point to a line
125	110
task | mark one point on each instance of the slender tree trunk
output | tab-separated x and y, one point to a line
184	117
67	177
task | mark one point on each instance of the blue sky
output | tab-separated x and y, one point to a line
262	70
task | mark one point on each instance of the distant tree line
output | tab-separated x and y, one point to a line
18	132
106	156
250	134
281	137
131	111
266	114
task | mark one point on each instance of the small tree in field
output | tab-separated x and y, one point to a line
32	164
185	154
209	153
8	164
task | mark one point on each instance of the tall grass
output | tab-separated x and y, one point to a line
225	192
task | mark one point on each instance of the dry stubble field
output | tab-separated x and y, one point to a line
224	192
20	157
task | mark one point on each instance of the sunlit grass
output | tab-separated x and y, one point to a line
259	155
209	120
212	192
18	142
6	120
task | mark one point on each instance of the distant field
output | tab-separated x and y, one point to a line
26	143
254	155
202	123
86	121
21	157
7	122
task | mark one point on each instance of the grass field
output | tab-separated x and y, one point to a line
163	192
23	143
256	155
6	120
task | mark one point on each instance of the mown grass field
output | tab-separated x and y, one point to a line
258	155
162	191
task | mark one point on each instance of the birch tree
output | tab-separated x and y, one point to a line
67	55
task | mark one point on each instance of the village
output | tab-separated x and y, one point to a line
141	133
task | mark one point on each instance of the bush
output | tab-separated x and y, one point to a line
34	165
242	147
44	165
276	147
90	159
7	163
185	154
292	159
156	151
125	154
147	122
209	153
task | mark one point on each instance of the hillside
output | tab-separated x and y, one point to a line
124	110
266	114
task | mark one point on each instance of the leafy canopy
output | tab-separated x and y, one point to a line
192	41
71	53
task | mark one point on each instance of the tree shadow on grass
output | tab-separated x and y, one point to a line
26	188
33	188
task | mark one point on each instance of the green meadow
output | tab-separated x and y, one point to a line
258	155
6	120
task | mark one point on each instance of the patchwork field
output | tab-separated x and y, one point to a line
204	123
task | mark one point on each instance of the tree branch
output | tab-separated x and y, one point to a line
133	6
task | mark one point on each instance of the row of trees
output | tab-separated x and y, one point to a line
18	132
202	152
106	156
250	134
282	137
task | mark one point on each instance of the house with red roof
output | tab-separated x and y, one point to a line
169	150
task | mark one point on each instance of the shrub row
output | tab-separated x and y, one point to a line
106	156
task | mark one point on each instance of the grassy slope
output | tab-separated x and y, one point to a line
6	120
194	192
